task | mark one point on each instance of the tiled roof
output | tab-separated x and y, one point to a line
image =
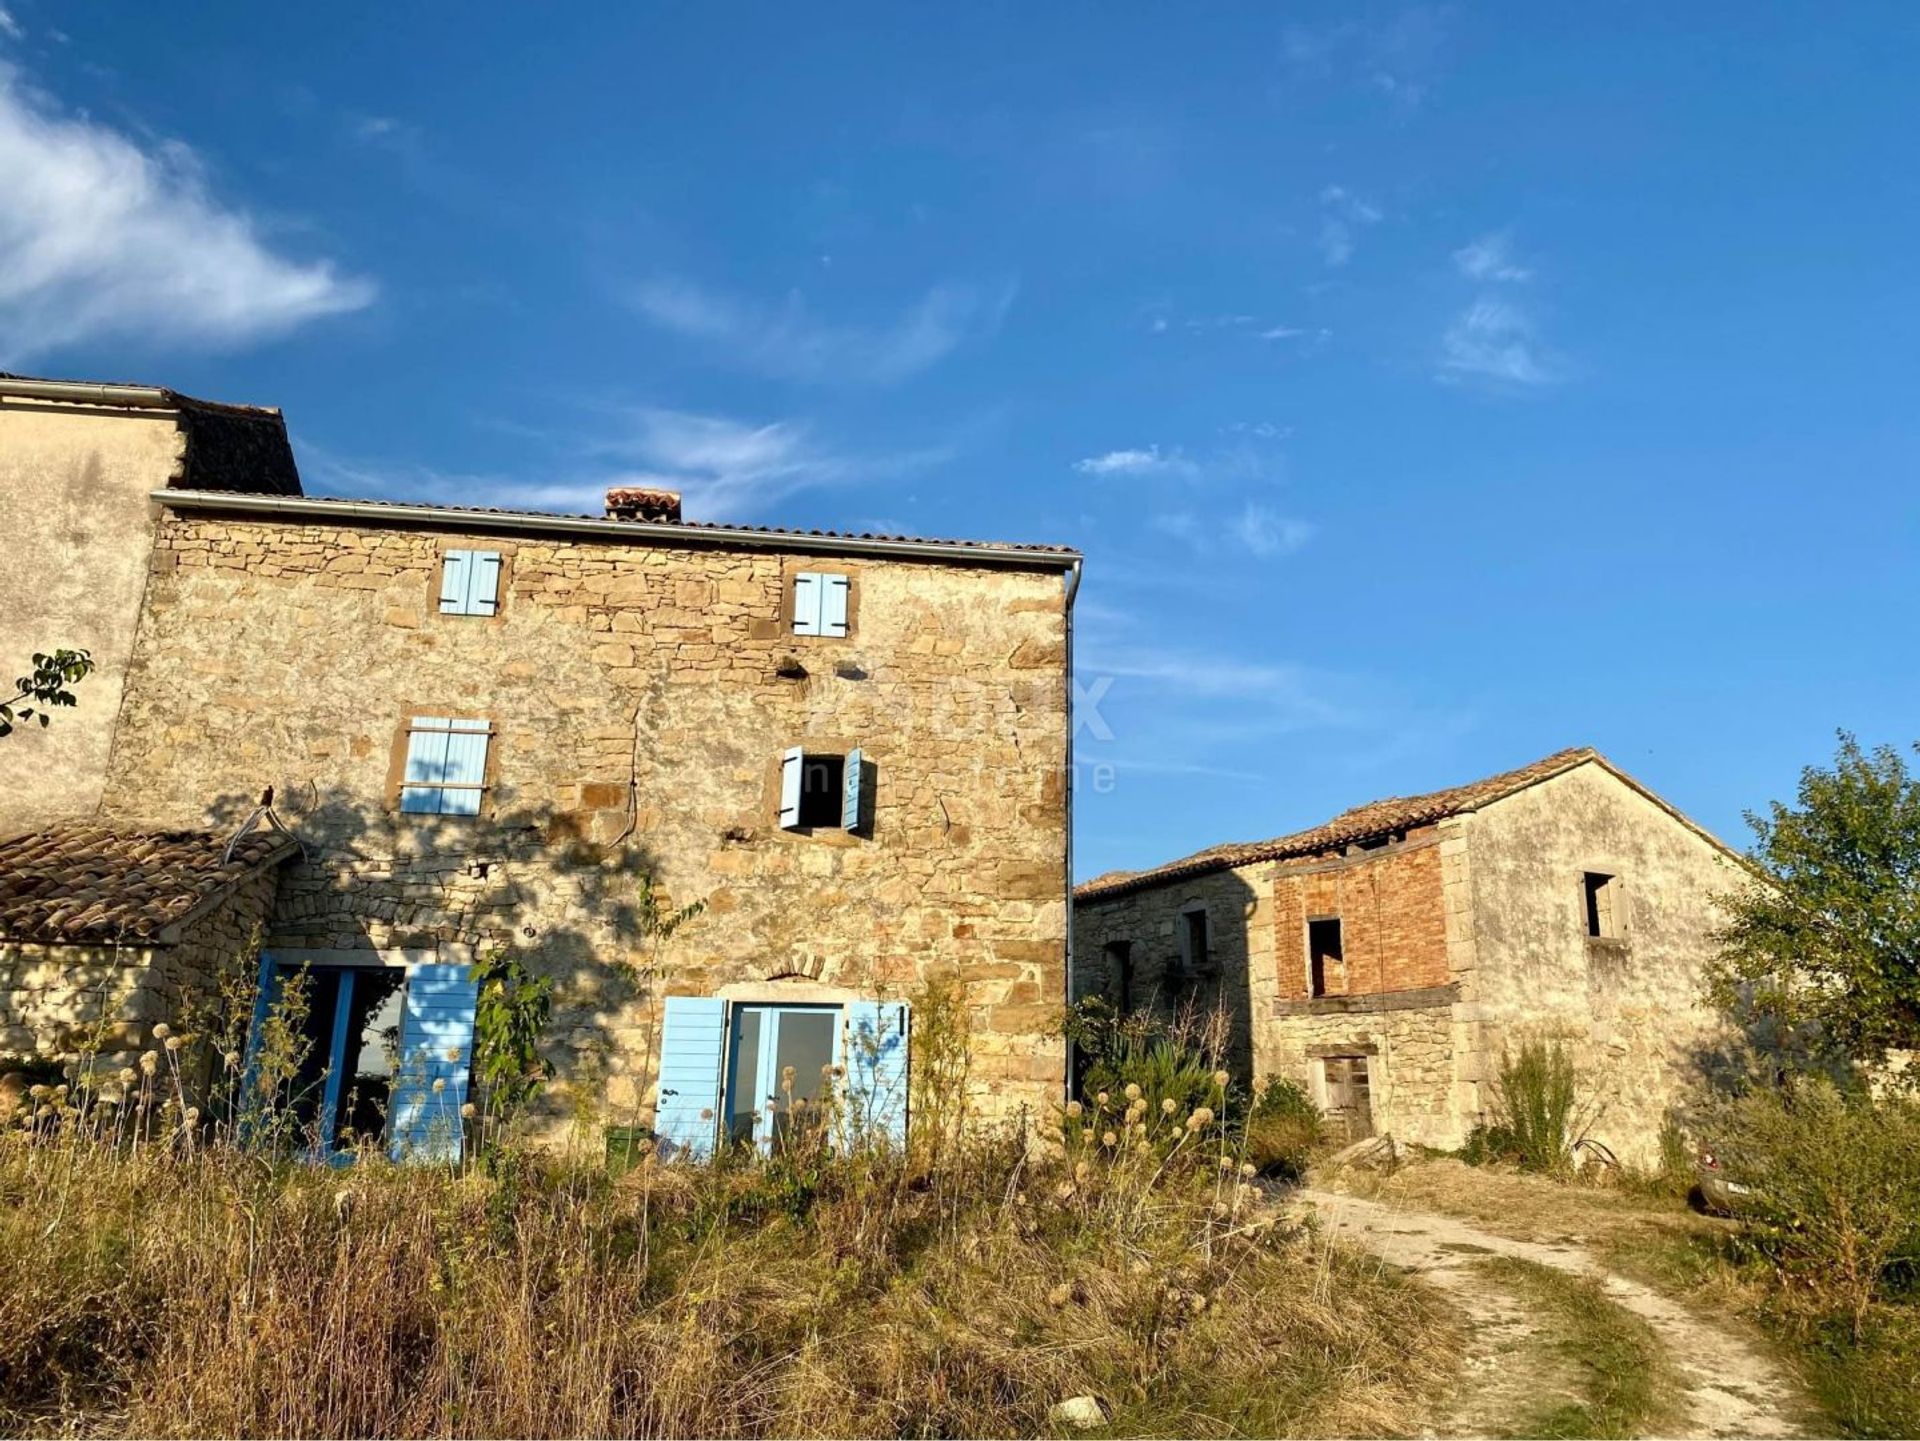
507	517
80	884
1375	818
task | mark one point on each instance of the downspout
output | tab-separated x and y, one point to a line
84	392
1073	590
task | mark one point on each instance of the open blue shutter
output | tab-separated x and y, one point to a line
266	994
436	1044
833	604
792	762
852	792
876	1065
693	1043
806	604
426	767
483	585
455	567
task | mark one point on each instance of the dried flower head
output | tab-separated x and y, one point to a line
1102	1099
1220	1079
1060	1295
439	1084
1082	1171
1074	1108
1226	1163
453	1056
36	1091
1201	1117
162	1031
127	1074
150	1062
233	1060
1169	1106
469	1110
174	1043
1109	1139
1133	1091
190	1117
1249	1170
1086	1135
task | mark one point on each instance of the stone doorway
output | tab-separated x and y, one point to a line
1349	1092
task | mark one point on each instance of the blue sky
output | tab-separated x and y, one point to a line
1429	387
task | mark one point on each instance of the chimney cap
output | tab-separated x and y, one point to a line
643	502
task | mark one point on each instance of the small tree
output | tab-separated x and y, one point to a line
1827	934
49	685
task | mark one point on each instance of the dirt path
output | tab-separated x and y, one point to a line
1730	1389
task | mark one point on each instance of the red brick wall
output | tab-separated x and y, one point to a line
1392	922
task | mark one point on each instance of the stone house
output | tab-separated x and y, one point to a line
1389	958
507	730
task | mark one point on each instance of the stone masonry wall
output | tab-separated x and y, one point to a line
102	1001
641	696
1633	1009
1240	928
1410	1055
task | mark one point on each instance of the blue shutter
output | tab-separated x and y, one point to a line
833	604
266	993
426	767
466	766
693	1042
436	1044
852	793
875	1056
792	762
483	584
455	568
806	604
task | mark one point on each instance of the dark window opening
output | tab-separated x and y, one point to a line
823	785
1120	975
1325	953
1601	895
1194	941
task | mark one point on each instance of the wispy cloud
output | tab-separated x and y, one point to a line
102	238
788	341
1494	340
1264	531
1150	461
724	468
1489	259
1344	215
10	28
1398	57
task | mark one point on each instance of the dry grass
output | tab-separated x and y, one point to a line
215	1293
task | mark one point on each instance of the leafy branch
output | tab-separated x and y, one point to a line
48	685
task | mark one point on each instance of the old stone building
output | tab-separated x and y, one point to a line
510	730
1389	958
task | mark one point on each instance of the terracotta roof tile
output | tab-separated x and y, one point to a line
1364	822
80	884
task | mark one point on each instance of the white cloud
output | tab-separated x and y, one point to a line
1150	461
1493	339
1490	258
99	237
10	27
1346	214
1264	531
788	342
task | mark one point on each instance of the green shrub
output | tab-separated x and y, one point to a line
1836	1186
1283	1129
1537	1115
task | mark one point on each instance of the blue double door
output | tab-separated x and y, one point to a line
780	1064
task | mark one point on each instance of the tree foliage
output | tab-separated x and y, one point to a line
1826	937
50	684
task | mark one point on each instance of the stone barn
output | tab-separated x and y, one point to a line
1389	958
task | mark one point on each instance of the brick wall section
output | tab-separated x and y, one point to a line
1392	919
103	1001
291	654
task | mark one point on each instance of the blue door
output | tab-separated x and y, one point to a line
779	1060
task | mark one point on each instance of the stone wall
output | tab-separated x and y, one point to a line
1633	1009
1147	922
76	523
101	1002
641	696
1410	1058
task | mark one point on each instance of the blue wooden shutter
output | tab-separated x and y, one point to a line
833	604
792	763
806	604
852	793
266	994
436	1044
693	1043
876	1066
426	766
466	766
455	568
483	583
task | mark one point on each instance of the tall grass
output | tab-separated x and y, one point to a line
165	1280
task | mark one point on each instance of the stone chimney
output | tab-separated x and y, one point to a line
632	502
